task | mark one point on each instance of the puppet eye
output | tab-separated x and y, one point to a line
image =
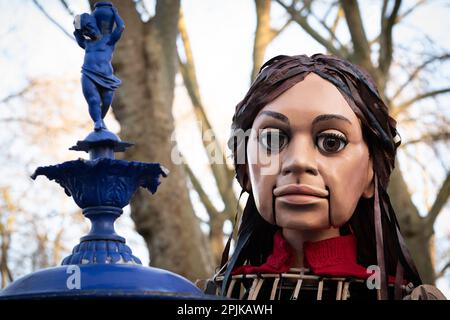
273	140
330	142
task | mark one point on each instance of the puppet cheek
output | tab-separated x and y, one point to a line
266	212
262	190
340	210
344	196
264	201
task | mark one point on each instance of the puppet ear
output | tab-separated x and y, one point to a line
370	185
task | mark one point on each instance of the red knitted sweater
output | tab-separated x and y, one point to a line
331	257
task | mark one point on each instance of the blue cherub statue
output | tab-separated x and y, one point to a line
94	33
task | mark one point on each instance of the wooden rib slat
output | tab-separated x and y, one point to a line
274	288
253	288
230	288
339	290
345	290
297	289
320	290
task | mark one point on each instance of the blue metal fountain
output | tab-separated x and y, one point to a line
101	265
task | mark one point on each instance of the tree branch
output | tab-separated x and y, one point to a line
276	32
303	22
25	120
10	276
210	208
361	49
412	155
416	71
374	40
438	156
216	219
403	106
330	8
387	24
339	15
263	35
332	30
190	80
411	9
16	94
442	272
223	175
67	7
429	138
439	203
38	5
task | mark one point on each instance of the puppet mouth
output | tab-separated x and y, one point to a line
300	194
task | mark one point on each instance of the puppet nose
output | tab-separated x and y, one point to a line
300	158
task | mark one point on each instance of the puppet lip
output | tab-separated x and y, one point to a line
300	199
300	190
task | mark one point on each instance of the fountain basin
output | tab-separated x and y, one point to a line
103	181
102	280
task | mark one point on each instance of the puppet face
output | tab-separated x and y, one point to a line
308	164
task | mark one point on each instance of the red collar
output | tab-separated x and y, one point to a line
334	257
331	257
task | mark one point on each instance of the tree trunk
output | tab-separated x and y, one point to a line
145	60
263	35
4	258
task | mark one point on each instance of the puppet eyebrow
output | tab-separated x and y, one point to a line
275	115
326	117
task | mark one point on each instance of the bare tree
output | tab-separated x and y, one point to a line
7	210
223	175
40	119
145	59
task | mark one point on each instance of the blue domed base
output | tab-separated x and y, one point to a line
102	280
99	139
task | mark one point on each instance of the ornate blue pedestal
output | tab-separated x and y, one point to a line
102	265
